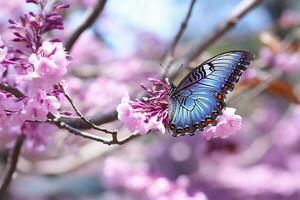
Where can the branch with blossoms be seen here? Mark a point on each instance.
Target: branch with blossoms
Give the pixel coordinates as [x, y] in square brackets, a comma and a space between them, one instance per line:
[38, 66]
[239, 12]
[41, 64]
[33, 42]
[84, 123]
[61, 124]
[31, 75]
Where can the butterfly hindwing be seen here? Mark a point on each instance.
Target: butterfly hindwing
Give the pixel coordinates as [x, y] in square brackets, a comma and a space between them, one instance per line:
[200, 97]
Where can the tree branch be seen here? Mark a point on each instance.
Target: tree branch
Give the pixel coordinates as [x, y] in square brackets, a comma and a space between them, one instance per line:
[78, 132]
[14, 91]
[91, 18]
[99, 118]
[11, 165]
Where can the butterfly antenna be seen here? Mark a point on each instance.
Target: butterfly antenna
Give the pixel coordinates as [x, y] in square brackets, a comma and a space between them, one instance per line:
[165, 74]
[178, 70]
[163, 67]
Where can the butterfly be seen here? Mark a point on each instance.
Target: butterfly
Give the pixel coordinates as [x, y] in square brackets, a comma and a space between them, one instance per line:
[200, 97]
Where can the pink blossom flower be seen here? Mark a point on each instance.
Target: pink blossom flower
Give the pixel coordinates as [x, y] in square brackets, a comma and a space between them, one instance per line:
[37, 108]
[10, 103]
[46, 67]
[56, 53]
[49, 67]
[141, 116]
[227, 124]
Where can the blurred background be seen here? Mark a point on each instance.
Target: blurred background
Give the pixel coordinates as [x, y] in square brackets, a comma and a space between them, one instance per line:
[125, 47]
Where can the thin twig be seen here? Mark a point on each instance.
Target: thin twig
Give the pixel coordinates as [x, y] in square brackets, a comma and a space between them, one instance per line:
[82, 117]
[98, 118]
[241, 10]
[169, 59]
[12, 90]
[182, 28]
[97, 138]
[11, 165]
[91, 18]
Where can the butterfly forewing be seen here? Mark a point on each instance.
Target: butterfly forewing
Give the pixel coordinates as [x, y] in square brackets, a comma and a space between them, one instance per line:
[200, 97]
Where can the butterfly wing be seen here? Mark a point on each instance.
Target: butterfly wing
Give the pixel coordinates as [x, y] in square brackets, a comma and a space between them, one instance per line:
[200, 97]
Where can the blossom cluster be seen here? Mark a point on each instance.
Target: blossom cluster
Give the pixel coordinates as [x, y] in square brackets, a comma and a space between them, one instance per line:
[151, 113]
[34, 67]
[141, 116]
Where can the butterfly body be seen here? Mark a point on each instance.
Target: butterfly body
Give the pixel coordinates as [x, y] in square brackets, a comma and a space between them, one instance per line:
[200, 97]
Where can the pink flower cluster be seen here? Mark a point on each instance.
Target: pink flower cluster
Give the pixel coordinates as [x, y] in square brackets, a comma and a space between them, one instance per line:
[137, 179]
[141, 116]
[151, 113]
[35, 67]
[48, 66]
[228, 124]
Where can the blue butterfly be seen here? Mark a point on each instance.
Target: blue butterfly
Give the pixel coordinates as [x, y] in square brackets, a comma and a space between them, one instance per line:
[200, 97]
